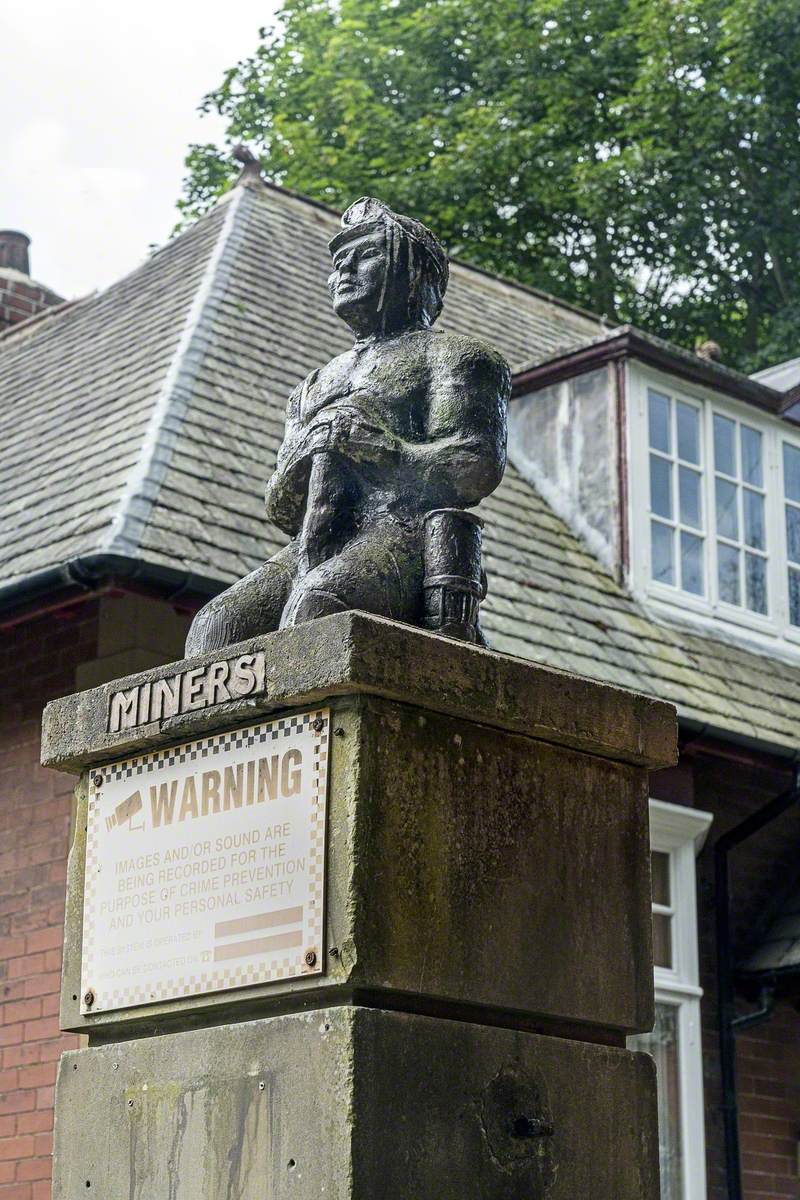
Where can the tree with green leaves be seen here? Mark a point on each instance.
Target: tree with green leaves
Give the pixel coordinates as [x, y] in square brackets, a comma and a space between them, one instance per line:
[640, 158]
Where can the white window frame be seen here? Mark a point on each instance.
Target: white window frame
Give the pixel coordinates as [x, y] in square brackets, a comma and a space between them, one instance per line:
[675, 523]
[784, 503]
[707, 611]
[681, 832]
[740, 487]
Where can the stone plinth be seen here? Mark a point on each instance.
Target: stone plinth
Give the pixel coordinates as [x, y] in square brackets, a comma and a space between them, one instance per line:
[487, 866]
[355, 1102]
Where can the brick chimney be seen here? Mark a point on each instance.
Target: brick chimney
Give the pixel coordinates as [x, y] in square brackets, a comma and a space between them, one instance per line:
[20, 296]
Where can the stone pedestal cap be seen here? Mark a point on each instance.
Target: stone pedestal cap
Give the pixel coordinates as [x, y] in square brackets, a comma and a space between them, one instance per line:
[355, 653]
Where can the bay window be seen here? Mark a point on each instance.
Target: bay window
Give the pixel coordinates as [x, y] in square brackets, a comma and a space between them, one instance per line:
[715, 522]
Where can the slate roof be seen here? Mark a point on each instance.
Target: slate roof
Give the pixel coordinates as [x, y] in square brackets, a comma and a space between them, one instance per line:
[143, 421]
[782, 376]
[779, 950]
[80, 391]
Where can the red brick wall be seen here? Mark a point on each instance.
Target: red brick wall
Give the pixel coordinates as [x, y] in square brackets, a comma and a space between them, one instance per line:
[20, 299]
[768, 1065]
[37, 662]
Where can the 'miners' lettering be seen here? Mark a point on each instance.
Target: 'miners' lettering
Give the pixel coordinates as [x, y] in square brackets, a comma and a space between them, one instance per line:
[258, 781]
[199, 687]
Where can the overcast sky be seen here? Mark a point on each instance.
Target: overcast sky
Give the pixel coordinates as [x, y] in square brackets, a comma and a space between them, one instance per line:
[99, 104]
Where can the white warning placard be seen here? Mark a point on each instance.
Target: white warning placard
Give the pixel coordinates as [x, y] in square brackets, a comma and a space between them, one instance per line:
[205, 865]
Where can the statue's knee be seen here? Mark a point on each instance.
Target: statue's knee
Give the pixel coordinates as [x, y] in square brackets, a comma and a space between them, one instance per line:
[309, 604]
[209, 630]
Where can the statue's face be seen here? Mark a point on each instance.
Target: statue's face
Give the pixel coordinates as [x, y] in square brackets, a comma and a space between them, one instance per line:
[356, 282]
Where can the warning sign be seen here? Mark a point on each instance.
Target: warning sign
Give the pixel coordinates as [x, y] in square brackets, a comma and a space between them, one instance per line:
[205, 865]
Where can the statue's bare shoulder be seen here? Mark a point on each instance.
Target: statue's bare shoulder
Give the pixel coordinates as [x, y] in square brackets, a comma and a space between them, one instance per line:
[459, 352]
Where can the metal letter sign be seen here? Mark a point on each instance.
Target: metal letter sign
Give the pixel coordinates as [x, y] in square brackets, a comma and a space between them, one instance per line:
[205, 865]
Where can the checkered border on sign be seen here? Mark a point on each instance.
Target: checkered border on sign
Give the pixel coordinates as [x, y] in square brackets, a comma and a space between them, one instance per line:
[191, 751]
[289, 967]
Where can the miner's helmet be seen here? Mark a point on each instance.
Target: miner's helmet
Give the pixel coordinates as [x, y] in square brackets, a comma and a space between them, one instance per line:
[368, 215]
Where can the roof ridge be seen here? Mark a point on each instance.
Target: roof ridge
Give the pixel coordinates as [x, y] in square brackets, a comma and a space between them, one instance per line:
[142, 485]
[42, 320]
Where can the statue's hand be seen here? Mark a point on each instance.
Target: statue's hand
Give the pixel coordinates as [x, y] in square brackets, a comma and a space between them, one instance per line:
[362, 440]
[348, 432]
[317, 437]
[284, 499]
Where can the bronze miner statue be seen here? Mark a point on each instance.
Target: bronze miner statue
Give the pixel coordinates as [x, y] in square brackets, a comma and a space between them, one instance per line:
[385, 448]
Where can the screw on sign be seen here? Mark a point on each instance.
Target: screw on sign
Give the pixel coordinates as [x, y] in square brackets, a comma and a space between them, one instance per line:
[311, 958]
[89, 998]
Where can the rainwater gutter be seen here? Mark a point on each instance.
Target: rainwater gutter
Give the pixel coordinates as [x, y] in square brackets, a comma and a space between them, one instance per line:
[729, 1023]
[83, 578]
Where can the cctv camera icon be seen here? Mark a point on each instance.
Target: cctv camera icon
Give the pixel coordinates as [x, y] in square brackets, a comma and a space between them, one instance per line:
[125, 812]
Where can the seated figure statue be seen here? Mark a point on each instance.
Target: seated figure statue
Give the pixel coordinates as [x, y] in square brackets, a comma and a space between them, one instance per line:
[408, 421]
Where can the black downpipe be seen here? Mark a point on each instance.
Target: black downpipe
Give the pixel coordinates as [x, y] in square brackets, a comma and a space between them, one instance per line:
[728, 1021]
[766, 1002]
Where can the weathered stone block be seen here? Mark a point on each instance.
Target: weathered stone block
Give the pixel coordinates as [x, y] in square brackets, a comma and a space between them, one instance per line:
[468, 868]
[356, 1103]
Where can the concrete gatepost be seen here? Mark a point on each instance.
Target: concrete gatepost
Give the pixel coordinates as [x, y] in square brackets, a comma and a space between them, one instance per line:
[434, 1005]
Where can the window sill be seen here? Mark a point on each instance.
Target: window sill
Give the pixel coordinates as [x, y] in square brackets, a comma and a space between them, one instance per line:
[755, 636]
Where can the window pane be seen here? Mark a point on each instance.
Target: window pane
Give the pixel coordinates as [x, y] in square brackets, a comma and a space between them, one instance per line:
[658, 407]
[728, 573]
[755, 581]
[689, 495]
[753, 511]
[724, 444]
[662, 1044]
[752, 471]
[663, 567]
[688, 432]
[692, 564]
[662, 939]
[660, 486]
[727, 516]
[793, 533]
[659, 866]
[794, 597]
[791, 471]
